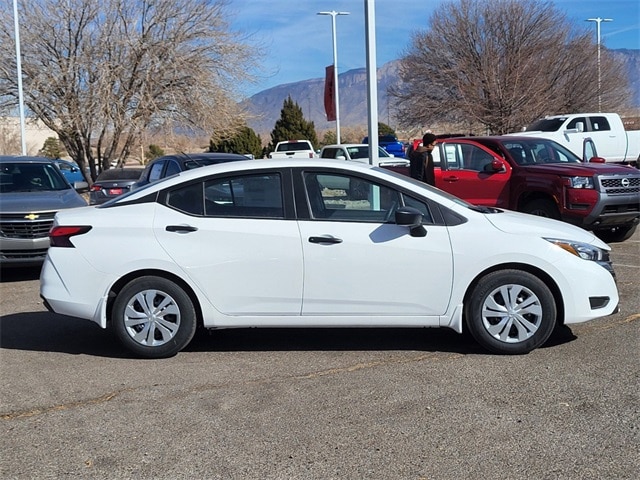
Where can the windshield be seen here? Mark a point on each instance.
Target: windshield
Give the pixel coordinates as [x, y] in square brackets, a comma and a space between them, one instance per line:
[201, 162]
[293, 146]
[362, 151]
[120, 174]
[535, 151]
[545, 125]
[31, 177]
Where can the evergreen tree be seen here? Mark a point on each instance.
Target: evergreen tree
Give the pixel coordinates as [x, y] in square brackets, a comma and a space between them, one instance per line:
[292, 126]
[384, 129]
[246, 141]
[329, 138]
[154, 151]
[52, 148]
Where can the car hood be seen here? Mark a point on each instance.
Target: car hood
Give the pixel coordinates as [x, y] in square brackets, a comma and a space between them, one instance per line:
[54, 200]
[581, 169]
[531, 225]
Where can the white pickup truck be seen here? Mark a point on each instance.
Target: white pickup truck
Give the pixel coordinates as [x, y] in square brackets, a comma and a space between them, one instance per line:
[293, 149]
[359, 152]
[606, 130]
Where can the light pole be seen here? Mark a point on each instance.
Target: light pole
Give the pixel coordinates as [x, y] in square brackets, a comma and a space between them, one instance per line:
[333, 14]
[16, 23]
[599, 20]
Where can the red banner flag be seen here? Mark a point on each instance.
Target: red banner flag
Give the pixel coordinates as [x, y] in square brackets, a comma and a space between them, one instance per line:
[329, 94]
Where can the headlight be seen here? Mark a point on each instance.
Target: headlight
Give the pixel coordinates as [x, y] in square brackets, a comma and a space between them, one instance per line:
[580, 182]
[582, 250]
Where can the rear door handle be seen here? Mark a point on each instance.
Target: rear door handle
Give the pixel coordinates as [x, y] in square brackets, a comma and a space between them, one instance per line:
[327, 239]
[181, 228]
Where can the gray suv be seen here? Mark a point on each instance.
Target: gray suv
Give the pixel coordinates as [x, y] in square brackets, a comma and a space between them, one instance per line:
[32, 190]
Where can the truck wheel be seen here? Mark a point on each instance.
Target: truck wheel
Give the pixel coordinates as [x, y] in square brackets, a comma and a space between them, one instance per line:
[153, 317]
[617, 234]
[511, 312]
[543, 208]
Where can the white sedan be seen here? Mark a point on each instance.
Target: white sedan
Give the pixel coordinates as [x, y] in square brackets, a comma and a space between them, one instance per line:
[268, 244]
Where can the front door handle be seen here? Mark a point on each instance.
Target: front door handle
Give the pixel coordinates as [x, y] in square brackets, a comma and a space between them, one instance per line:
[327, 239]
[181, 228]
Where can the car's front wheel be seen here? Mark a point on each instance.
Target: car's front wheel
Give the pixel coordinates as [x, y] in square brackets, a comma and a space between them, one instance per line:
[617, 234]
[511, 312]
[154, 317]
[543, 208]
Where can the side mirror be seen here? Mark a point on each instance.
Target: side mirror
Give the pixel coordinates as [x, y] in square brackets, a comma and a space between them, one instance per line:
[493, 167]
[81, 186]
[341, 157]
[579, 128]
[412, 218]
[597, 160]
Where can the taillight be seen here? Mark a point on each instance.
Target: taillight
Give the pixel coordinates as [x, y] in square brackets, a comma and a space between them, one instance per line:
[60, 236]
[95, 188]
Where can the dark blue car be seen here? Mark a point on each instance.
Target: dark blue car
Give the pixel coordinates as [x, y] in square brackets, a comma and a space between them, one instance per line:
[171, 164]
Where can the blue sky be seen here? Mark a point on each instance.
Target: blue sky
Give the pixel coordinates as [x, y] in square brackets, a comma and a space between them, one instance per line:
[298, 42]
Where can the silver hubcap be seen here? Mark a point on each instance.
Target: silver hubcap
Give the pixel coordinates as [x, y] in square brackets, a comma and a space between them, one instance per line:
[152, 318]
[512, 313]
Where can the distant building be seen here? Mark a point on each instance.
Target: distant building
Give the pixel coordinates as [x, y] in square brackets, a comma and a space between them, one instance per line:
[35, 135]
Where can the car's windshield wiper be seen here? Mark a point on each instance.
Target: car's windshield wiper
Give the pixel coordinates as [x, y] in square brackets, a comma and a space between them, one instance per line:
[482, 209]
[194, 160]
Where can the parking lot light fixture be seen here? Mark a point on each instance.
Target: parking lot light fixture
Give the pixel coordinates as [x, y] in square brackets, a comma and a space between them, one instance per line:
[598, 21]
[333, 14]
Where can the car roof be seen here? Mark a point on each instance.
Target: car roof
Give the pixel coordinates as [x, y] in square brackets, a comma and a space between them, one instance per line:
[24, 159]
[500, 138]
[347, 145]
[202, 156]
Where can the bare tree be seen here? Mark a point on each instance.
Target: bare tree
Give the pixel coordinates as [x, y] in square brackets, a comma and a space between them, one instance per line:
[502, 63]
[98, 72]
[9, 139]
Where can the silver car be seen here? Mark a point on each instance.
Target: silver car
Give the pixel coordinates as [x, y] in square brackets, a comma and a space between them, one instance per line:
[32, 190]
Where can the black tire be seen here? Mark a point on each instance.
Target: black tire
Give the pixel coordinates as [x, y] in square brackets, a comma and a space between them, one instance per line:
[617, 234]
[153, 317]
[543, 208]
[515, 326]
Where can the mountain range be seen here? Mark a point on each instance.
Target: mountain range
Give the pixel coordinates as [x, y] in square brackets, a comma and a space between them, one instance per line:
[264, 107]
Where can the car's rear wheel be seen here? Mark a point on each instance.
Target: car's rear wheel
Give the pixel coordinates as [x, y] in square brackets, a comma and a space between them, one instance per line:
[154, 317]
[511, 312]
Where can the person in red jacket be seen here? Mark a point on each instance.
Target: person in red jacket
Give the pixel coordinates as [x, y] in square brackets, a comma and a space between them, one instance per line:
[421, 160]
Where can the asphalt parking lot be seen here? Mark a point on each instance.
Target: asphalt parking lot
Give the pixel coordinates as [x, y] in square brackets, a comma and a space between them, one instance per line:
[318, 404]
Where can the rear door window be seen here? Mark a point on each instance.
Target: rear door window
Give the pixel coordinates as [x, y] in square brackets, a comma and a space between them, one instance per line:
[599, 124]
[245, 196]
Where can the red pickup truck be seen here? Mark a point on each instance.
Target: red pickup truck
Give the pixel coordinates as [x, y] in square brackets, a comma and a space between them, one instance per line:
[541, 177]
